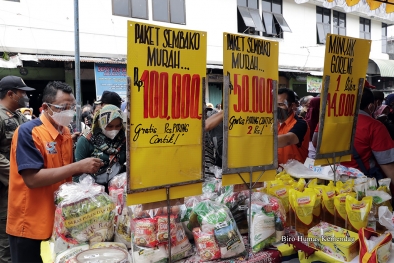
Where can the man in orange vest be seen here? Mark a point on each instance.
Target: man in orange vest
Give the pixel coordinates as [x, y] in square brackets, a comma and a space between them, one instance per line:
[293, 131]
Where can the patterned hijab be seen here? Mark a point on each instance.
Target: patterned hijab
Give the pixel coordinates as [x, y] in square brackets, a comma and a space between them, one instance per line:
[100, 120]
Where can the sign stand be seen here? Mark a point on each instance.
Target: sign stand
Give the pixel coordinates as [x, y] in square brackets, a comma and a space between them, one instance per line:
[227, 89]
[169, 186]
[334, 164]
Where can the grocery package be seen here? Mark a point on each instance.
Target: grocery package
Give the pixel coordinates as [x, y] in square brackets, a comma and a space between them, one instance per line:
[378, 197]
[104, 254]
[206, 244]
[374, 247]
[209, 216]
[262, 223]
[384, 185]
[122, 228]
[303, 204]
[335, 241]
[328, 210]
[117, 189]
[150, 235]
[358, 212]
[386, 218]
[84, 213]
[282, 193]
[235, 201]
[340, 209]
[68, 256]
[186, 210]
[298, 170]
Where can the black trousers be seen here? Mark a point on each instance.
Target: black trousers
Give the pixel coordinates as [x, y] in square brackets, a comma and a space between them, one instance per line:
[25, 250]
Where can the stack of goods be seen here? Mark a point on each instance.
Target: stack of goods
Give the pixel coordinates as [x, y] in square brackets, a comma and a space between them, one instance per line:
[84, 213]
[150, 240]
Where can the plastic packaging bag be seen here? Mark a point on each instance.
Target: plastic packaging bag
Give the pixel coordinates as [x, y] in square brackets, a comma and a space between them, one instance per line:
[117, 190]
[122, 229]
[84, 213]
[209, 216]
[263, 220]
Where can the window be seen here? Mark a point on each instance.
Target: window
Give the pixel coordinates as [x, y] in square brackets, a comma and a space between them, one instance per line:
[248, 17]
[274, 22]
[171, 11]
[384, 38]
[323, 23]
[130, 8]
[365, 28]
[339, 23]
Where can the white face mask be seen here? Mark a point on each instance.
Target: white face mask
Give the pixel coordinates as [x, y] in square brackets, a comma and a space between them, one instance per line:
[63, 118]
[110, 134]
[28, 116]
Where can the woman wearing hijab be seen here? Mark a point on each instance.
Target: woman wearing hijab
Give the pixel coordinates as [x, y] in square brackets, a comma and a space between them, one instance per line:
[106, 140]
[312, 118]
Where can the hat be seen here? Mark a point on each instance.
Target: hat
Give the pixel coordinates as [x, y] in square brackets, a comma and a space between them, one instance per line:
[25, 109]
[389, 99]
[13, 82]
[110, 97]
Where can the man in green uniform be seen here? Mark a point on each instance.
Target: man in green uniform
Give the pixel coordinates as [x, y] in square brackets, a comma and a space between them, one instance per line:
[12, 97]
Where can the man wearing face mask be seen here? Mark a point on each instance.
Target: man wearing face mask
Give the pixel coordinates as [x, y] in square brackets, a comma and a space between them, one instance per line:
[293, 131]
[374, 148]
[41, 160]
[12, 97]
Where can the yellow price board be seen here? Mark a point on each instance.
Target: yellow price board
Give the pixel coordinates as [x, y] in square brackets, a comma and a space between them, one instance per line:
[166, 67]
[345, 63]
[251, 63]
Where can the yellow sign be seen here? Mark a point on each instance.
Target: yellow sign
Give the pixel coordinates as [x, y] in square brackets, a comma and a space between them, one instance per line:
[346, 62]
[166, 67]
[252, 65]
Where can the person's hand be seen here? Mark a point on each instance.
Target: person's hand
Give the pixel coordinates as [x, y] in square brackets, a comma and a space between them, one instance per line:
[75, 136]
[90, 165]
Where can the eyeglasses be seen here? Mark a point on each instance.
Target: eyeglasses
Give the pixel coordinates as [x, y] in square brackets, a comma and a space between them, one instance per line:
[63, 107]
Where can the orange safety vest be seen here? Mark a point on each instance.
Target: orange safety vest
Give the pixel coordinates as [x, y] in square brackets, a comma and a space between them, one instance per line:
[292, 151]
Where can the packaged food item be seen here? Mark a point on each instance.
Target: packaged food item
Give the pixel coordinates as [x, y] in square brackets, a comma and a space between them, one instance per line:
[162, 229]
[372, 184]
[210, 215]
[123, 229]
[358, 212]
[181, 248]
[117, 188]
[70, 254]
[328, 209]
[262, 229]
[103, 255]
[360, 189]
[304, 203]
[300, 185]
[282, 193]
[374, 247]
[335, 241]
[317, 209]
[150, 255]
[206, 244]
[108, 244]
[340, 209]
[145, 232]
[84, 213]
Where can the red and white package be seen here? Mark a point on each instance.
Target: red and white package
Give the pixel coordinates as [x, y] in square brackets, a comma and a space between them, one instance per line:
[162, 229]
[145, 232]
[207, 247]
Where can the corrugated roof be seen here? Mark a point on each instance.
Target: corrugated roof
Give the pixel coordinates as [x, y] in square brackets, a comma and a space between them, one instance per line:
[82, 59]
[386, 67]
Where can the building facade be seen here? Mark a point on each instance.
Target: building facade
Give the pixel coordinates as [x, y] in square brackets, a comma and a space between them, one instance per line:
[37, 37]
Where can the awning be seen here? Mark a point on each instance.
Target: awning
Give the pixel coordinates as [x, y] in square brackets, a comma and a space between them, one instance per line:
[386, 67]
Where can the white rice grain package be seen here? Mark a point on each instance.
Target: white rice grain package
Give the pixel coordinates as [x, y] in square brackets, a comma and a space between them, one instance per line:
[84, 213]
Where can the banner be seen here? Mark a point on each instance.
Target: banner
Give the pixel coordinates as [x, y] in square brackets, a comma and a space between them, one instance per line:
[313, 84]
[252, 65]
[111, 77]
[166, 67]
[346, 62]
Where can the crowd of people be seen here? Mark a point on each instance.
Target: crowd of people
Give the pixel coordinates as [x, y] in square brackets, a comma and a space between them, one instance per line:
[38, 154]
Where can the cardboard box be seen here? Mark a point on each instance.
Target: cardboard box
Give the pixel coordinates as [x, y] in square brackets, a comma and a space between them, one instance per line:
[335, 241]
